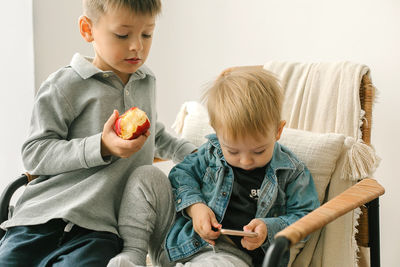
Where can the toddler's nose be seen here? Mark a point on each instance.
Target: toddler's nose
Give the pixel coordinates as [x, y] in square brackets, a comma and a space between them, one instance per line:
[246, 161]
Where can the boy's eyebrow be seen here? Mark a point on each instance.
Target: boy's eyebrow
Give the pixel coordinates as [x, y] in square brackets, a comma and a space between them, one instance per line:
[260, 147]
[225, 145]
[129, 26]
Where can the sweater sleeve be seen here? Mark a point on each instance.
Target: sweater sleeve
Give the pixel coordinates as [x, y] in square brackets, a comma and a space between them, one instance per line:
[170, 147]
[47, 150]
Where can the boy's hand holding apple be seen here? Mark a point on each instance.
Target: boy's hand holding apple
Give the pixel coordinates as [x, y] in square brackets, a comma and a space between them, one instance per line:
[126, 134]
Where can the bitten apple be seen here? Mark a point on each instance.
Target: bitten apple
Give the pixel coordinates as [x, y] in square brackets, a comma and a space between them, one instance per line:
[133, 123]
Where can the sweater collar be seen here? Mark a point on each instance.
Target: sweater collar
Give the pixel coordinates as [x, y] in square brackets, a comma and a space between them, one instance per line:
[84, 67]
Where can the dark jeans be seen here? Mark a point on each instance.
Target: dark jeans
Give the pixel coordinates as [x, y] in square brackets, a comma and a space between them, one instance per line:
[48, 245]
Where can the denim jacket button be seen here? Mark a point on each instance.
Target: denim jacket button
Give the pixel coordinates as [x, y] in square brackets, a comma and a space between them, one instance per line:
[224, 194]
[179, 201]
[196, 244]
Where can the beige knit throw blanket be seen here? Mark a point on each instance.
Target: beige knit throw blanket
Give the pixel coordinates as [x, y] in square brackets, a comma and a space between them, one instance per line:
[324, 97]
[328, 89]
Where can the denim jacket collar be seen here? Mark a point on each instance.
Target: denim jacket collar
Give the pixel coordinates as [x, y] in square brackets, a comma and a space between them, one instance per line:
[279, 161]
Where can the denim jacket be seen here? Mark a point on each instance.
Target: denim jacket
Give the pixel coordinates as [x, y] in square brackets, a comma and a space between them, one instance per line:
[287, 193]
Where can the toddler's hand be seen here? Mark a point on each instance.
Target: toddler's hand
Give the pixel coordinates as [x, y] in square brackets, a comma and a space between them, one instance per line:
[258, 226]
[112, 144]
[204, 220]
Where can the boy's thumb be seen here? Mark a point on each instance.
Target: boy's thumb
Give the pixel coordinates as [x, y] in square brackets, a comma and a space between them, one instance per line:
[114, 116]
[250, 227]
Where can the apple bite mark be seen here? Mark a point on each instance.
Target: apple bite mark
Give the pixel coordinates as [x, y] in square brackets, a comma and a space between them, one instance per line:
[132, 124]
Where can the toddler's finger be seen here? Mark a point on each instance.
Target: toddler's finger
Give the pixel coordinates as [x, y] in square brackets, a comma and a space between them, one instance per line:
[214, 222]
[251, 226]
[246, 243]
[210, 241]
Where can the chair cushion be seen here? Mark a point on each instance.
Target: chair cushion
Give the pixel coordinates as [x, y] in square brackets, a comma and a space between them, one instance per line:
[192, 123]
[319, 152]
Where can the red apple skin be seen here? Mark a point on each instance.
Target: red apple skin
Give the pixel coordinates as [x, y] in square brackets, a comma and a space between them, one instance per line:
[141, 129]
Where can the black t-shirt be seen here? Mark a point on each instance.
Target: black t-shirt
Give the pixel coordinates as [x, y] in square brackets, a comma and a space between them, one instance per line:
[242, 206]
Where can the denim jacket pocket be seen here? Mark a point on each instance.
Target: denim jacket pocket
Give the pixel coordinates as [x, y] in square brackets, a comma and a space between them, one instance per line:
[211, 175]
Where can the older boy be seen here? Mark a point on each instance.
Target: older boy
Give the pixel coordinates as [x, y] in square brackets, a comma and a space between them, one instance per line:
[68, 215]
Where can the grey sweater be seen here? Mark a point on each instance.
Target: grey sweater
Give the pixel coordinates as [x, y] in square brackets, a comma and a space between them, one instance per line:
[63, 147]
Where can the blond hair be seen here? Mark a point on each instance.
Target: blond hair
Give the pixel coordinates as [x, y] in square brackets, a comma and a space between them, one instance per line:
[95, 8]
[244, 101]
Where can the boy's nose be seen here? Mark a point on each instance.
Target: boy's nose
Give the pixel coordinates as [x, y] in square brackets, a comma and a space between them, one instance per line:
[246, 161]
[136, 45]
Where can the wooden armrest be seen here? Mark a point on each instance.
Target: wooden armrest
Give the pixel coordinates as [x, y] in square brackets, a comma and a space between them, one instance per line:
[364, 191]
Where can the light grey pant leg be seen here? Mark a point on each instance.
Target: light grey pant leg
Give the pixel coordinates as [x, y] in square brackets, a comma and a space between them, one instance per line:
[212, 259]
[146, 214]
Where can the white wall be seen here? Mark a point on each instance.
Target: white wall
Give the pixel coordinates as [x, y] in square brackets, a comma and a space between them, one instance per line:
[195, 40]
[17, 78]
[57, 36]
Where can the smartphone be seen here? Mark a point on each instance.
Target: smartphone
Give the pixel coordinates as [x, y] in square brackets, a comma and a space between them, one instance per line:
[238, 233]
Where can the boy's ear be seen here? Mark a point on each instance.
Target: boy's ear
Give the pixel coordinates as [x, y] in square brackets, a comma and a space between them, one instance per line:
[85, 28]
[280, 129]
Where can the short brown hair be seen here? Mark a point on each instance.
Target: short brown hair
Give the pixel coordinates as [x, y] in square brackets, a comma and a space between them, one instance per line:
[94, 8]
[244, 101]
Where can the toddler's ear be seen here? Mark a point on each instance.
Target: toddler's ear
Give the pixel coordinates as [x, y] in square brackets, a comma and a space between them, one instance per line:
[280, 129]
[85, 28]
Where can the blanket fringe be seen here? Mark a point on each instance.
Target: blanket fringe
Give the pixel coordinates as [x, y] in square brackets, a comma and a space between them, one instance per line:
[357, 213]
[361, 160]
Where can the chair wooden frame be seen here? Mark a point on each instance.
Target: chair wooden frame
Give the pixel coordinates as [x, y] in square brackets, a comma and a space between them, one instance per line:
[366, 192]
[368, 227]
